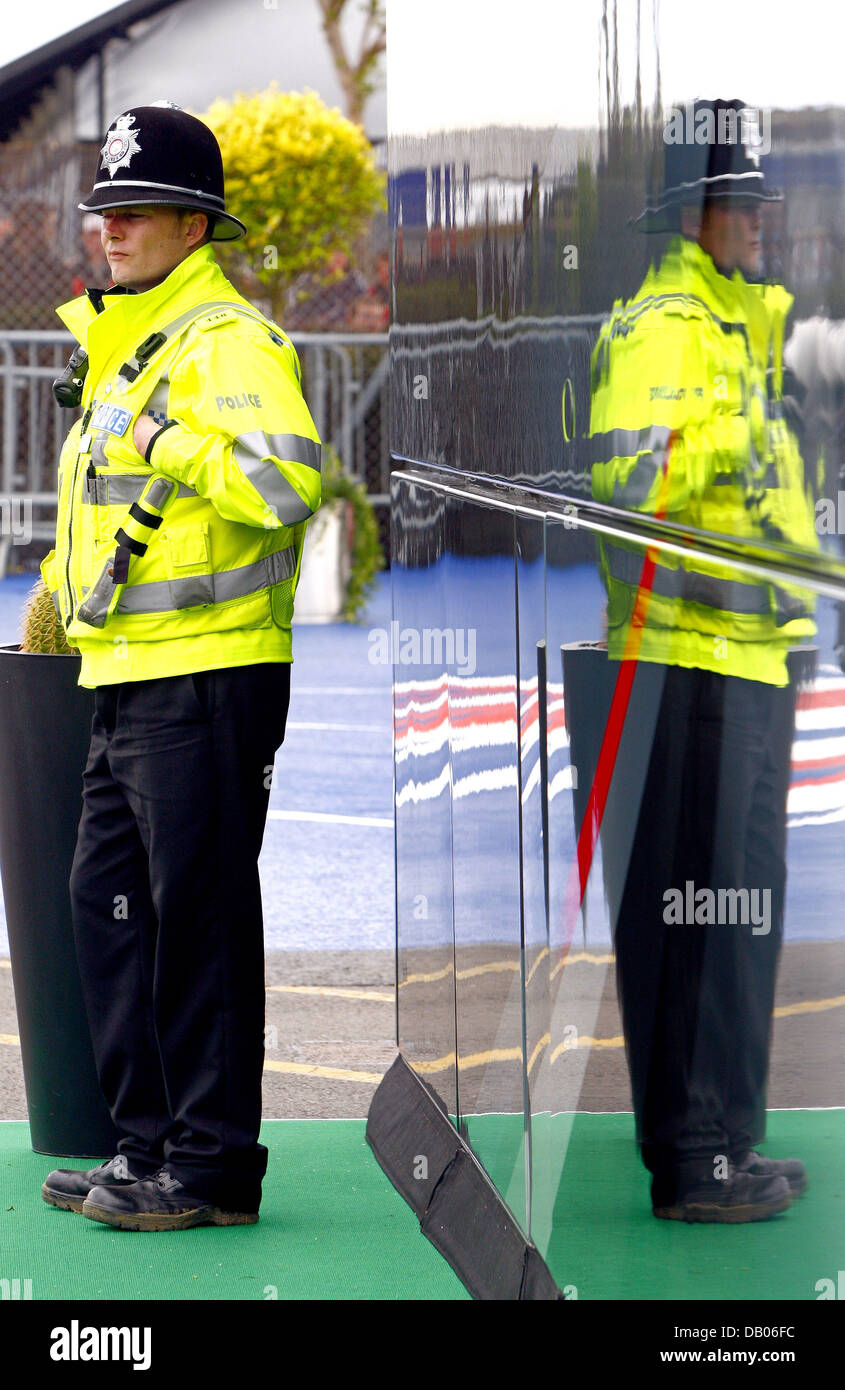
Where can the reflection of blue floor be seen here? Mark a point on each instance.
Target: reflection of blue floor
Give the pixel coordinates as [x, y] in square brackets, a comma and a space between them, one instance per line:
[329, 882]
[480, 593]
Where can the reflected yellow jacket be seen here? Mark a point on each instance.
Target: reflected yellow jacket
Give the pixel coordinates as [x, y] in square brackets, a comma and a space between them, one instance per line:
[186, 560]
[685, 422]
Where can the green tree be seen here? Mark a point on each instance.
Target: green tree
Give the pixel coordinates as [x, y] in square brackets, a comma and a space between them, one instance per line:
[300, 176]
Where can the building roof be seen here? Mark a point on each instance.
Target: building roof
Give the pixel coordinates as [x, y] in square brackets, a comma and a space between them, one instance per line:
[22, 81]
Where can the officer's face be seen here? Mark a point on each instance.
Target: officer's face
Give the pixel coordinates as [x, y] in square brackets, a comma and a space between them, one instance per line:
[143, 244]
[734, 232]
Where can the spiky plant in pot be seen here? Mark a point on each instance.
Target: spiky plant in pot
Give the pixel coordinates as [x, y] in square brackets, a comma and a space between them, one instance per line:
[41, 626]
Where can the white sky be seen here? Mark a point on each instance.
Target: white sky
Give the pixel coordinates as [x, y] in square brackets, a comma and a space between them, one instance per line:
[472, 63]
[535, 62]
[29, 25]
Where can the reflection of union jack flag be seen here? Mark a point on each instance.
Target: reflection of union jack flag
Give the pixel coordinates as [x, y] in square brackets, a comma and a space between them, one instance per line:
[473, 719]
[817, 787]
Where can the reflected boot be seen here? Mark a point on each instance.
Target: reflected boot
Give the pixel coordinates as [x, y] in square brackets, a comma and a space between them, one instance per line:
[67, 1188]
[741, 1196]
[790, 1168]
[159, 1203]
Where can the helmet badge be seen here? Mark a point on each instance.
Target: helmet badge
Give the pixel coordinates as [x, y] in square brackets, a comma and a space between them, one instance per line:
[121, 144]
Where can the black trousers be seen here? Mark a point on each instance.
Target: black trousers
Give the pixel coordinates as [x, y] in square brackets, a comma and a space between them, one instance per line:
[167, 918]
[697, 996]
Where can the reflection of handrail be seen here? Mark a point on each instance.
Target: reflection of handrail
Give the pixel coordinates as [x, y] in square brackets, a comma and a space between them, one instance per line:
[767, 560]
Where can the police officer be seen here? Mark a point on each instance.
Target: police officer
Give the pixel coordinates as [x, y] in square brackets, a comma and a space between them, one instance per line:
[183, 495]
[686, 425]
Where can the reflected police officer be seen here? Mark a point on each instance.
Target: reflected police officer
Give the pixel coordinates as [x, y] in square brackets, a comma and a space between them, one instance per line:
[686, 426]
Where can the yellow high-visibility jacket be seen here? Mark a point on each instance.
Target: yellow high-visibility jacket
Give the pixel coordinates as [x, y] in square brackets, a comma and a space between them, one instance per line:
[686, 423]
[187, 560]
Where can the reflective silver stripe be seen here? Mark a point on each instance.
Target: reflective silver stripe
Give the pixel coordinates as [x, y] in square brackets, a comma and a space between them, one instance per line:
[122, 489]
[768, 481]
[253, 453]
[148, 183]
[621, 443]
[191, 316]
[163, 596]
[627, 321]
[159, 491]
[650, 446]
[290, 448]
[728, 595]
[96, 606]
[295, 448]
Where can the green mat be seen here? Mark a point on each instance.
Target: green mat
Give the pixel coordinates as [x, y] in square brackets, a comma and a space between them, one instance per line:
[592, 1216]
[332, 1226]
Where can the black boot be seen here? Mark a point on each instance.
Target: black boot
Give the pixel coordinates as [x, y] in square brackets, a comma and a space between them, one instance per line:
[790, 1168]
[737, 1197]
[68, 1187]
[159, 1203]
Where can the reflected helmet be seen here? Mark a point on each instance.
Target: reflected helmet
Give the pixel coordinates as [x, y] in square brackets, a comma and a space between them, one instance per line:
[711, 150]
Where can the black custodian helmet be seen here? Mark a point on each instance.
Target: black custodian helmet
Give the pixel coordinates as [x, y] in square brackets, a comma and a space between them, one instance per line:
[160, 155]
[710, 152]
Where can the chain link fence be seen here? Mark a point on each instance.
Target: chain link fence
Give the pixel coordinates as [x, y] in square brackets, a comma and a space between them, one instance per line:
[50, 252]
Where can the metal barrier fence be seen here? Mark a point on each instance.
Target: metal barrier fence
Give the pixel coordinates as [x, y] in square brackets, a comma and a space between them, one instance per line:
[344, 379]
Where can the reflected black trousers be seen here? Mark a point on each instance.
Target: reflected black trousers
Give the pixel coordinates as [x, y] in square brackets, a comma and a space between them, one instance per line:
[697, 996]
[167, 918]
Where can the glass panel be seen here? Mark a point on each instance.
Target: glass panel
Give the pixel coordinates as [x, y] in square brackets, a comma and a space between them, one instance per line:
[481, 609]
[425, 938]
[591, 293]
[706, 820]
[534, 867]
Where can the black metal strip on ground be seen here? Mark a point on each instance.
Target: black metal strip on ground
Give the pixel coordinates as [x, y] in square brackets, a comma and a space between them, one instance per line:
[459, 1209]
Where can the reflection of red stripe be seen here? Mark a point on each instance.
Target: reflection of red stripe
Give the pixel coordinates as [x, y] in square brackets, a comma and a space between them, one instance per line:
[459, 719]
[797, 784]
[816, 699]
[466, 720]
[597, 800]
[800, 765]
[594, 813]
[470, 719]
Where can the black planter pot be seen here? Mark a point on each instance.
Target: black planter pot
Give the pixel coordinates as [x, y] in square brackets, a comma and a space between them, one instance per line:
[45, 729]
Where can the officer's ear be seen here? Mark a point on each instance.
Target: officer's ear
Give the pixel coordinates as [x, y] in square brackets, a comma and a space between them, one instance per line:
[691, 218]
[195, 228]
